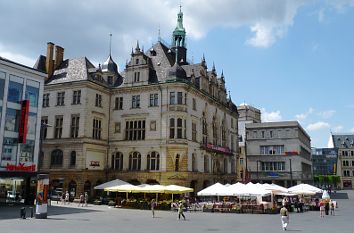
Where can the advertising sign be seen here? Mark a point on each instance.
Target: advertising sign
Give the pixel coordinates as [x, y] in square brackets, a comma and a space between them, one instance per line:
[42, 196]
[22, 134]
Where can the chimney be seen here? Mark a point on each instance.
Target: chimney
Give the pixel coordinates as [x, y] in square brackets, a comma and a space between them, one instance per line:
[59, 56]
[49, 60]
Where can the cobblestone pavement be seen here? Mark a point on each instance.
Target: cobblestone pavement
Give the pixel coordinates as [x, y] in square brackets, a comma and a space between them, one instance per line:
[97, 219]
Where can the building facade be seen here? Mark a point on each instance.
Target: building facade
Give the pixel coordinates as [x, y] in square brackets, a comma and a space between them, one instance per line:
[247, 114]
[344, 143]
[20, 115]
[162, 120]
[278, 152]
[324, 161]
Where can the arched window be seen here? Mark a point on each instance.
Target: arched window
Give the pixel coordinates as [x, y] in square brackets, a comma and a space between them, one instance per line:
[205, 129]
[177, 163]
[172, 128]
[117, 161]
[194, 163]
[153, 161]
[134, 161]
[206, 163]
[56, 158]
[73, 159]
[215, 132]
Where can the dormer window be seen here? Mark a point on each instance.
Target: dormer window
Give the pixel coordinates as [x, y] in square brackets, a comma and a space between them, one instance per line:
[136, 61]
[110, 80]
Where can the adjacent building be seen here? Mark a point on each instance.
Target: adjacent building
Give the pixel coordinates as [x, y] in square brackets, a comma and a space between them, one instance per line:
[324, 161]
[161, 120]
[247, 114]
[20, 116]
[344, 143]
[278, 152]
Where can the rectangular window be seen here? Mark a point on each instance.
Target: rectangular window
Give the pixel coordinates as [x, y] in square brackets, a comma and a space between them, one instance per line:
[135, 130]
[44, 124]
[172, 128]
[77, 97]
[194, 132]
[179, 97]
[15, 90]
[98, 102]
[154, 98]
[96, 129]
[272, 150]
[58, 128]
[32, 123]
[45, 102]
[9, 150]
[118, 104]
[2, 85]
[117, 127]
[32, 94]
[272, 166]
[136, 77]
[172, 98]
[136, 101]
[179, 128]
[60, 98]
[12, 119]
[194, 105]
[74, 128]
[27, 152]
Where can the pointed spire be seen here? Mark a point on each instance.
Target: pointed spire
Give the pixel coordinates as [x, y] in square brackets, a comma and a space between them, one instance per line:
[229, 96]
[132, 52]
[222, 76]
[137, 48]
[213, 70]
[203, 63]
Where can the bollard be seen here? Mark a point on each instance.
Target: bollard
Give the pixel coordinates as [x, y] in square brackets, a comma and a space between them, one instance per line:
[23, 213]
[31, 211]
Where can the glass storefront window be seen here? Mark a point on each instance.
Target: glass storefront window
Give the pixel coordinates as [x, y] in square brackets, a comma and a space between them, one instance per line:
[12, 119]
[15, 92]
[32, 95]
[27, 151]
[32, 123]
[9, 149]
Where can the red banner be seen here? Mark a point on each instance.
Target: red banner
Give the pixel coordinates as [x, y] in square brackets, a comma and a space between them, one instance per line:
[20, 167]
[22, 134]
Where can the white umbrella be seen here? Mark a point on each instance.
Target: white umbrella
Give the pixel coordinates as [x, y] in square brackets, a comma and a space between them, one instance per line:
[305, 189]
[214, 190]
[111, 183]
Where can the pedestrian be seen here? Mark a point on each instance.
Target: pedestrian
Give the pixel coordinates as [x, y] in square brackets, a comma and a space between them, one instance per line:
[62, 198]
[153, 205]
[322, 209]
[180, 211]
[82, 200]
[284, 215]
[67, 195]
[332, 207]
[86, 198]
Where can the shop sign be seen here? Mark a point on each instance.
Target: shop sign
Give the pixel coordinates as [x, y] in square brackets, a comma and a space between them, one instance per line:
[22, 134]
[20, 167]
[273, 174]
[291, 153]
[218, 148]
[94, 163]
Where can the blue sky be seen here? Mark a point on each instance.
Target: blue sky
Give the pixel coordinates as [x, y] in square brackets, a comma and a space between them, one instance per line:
[293, 59]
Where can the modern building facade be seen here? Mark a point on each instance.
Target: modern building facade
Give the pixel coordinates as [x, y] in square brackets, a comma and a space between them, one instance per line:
[247, 114]
[324, 161]
[278, 152]
[20, 115]
[161, 120]
[344, 143]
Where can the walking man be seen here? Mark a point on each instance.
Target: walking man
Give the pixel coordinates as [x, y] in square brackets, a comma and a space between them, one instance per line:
[284, 215]
[82, 199]
[86, 198]
[153, 205]
[180, 211]
[66, 201]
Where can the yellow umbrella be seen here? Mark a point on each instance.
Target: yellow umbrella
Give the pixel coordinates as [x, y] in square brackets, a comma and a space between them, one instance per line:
[176, 189]
[123, 188]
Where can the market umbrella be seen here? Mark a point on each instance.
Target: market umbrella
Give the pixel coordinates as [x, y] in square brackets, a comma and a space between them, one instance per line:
[176, 189]
[214, 190]
[111, 183]
[125, 188]
[304, 189]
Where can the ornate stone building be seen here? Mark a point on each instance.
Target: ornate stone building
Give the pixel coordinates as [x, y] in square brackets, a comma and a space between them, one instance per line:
[162, 120]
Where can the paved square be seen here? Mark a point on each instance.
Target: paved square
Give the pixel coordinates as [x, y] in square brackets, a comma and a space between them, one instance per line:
[96, 219]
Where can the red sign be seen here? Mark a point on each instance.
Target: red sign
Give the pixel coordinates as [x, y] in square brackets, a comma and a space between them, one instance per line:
[215, 148]
[22, 134]
[20, 167]
[291, 153]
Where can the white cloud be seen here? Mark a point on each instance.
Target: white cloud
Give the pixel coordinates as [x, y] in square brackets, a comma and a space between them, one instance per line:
[19, 58]
[321, 15]
[270, 116]
[303, 116]
[352, 130]
[264, 36]
[327, 114]
[317, 126]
